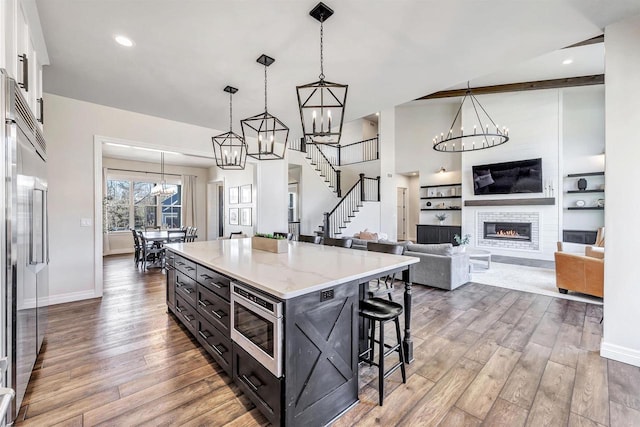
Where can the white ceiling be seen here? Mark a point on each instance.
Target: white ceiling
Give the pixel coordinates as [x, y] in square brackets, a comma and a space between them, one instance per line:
[187, 51]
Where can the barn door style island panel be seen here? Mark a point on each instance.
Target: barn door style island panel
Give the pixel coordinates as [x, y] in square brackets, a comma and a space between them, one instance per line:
[284, 326]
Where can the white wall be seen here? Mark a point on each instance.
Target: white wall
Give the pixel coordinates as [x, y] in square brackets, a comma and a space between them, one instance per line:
[367, 219]
[71, 127]
[534, 123]
[388, 214]
[315, 197]
[122, 242]
[236, 179]
[413, 207]
[416, 124]
[621, 340]
[582, 144]
[271, 203]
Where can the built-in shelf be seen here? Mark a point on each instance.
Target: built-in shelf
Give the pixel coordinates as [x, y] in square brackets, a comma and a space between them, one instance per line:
[585, 191]
[585, 208]
[441, 197]
[441, 185]
[512, 202]
[577, 175]
[440, 209]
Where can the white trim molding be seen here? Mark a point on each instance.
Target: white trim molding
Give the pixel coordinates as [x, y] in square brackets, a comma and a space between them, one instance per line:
[621, 354]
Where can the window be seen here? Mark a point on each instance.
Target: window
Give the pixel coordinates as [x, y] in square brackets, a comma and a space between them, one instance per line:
[129, 204]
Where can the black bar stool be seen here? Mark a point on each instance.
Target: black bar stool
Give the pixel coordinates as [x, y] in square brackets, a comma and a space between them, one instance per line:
[384, 285]
[382, 311]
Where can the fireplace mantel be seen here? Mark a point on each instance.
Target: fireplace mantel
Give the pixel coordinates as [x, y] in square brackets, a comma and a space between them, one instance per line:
[512, 202]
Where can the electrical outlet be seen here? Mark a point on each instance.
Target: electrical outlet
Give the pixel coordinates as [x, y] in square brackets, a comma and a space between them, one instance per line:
[326, 295]
[85, 222]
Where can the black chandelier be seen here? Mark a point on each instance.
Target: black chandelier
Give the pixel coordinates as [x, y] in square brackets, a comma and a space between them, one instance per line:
[322, 103]
[265, 135]
[229, 149]
[480, 138]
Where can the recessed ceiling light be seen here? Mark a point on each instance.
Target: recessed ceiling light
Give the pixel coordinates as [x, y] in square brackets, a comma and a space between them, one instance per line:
[567, 61]
[124, 41]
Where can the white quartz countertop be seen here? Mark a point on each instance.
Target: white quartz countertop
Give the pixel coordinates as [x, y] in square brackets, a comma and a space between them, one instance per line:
[304, 268]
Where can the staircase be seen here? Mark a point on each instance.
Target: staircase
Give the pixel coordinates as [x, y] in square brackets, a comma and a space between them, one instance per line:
[364, 190]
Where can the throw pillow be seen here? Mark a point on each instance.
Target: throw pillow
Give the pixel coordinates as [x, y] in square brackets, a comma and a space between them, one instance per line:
[436, 249]
[367, 235]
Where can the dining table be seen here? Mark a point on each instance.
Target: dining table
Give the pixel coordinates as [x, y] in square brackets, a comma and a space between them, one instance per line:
[160, 236]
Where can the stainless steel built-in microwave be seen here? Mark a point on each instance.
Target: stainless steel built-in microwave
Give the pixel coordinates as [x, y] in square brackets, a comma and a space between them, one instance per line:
[256, 325]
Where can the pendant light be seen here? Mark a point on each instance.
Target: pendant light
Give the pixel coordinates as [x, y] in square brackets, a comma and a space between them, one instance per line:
[265, 135]
[162, 189]
[229, 149]
[322, 103]
[481, 137]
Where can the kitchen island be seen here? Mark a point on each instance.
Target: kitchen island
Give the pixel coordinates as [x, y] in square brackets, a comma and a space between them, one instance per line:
[294, 348]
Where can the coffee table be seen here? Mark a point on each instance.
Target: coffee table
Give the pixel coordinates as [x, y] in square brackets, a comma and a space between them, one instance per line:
[481, 255]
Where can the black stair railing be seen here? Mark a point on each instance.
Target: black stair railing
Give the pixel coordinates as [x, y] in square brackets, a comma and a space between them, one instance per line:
[340, 155]
[324, 167]
[364, 190]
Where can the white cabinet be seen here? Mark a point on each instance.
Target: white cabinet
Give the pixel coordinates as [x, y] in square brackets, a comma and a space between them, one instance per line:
[19, 52]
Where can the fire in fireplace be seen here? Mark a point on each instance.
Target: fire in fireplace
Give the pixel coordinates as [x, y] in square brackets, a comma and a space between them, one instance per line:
[520, 231]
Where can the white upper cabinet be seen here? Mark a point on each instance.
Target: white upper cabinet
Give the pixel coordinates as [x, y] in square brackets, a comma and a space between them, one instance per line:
[22, 49]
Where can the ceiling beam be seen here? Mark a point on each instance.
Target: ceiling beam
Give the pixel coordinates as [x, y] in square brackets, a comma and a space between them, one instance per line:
[592, 40]
[596, 79]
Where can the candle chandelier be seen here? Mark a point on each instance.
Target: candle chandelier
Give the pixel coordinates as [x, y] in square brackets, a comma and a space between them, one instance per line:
[265, 135]
[322, 103]
[481, 137]
[162, 189]
[229, 149]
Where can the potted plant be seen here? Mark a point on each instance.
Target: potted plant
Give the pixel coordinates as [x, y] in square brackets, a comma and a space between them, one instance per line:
[462, 241]
[441, 217]
[270, 243]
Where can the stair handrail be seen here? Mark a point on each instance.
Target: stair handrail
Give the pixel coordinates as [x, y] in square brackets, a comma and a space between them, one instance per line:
[352, 200]
[358, 182]
[335, 171]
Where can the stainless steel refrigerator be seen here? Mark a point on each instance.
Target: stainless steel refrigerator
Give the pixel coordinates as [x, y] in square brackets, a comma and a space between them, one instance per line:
[24, 240]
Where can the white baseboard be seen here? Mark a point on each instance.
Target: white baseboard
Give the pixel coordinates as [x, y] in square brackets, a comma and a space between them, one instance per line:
[72, 296]
[621, 354]
[118, 251]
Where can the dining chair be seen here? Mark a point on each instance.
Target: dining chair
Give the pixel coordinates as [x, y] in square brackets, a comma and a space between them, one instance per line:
[383, 285]
[309, 239]
[340, 243]
[287, 236]
[137, 248]
[237, 235]
[151, 252]
[176, 236]
[191, 234]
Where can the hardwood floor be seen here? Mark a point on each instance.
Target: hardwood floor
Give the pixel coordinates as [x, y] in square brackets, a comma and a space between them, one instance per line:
[483, 356]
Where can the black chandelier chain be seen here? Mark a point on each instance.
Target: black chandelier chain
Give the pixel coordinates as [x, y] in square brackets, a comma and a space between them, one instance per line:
[230, 112]
[265, 88]
[321, 76]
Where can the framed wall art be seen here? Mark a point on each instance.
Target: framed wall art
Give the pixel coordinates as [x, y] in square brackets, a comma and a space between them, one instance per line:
[245, 193]
[233, 216]
[233, 195]
[245, 216]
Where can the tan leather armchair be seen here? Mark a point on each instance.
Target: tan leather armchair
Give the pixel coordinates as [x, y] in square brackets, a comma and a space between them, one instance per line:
[579, 273]
[597, 250]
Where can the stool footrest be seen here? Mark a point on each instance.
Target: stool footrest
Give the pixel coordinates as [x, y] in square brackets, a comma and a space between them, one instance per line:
[392, 370]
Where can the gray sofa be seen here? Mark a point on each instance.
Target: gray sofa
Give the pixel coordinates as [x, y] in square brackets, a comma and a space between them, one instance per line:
[439, 266]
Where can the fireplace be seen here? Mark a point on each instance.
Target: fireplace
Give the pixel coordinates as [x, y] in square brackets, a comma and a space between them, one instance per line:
[518, 231]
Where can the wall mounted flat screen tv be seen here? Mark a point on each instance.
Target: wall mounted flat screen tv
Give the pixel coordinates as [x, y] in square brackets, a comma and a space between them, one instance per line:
[521, 176]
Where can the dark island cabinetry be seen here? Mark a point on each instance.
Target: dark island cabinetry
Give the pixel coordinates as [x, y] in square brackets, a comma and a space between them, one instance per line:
[320, 348]
[437, 233]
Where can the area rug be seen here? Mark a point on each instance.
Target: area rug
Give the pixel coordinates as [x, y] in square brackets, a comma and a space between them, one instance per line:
[528, 279]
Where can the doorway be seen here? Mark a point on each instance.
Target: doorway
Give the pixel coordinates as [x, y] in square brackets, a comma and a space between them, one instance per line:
[215, 210]
[401, 206]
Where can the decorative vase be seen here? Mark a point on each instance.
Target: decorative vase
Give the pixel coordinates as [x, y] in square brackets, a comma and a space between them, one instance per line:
[441, 222]
[582, 184]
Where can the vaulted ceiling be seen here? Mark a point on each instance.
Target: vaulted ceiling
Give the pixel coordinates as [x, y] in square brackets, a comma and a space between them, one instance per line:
[389, 52]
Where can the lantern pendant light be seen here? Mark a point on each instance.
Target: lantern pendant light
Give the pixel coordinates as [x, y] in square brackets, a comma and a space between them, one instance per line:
[322, 103]
[229, 149]
[265, 135]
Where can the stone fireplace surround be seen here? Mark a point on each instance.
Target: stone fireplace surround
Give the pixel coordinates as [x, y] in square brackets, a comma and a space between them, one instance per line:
[509, 217]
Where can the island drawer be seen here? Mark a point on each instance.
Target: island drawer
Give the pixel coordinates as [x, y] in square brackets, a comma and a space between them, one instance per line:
[186, 288]
[216, 344]
[214, 281]
[214, 309]
[186, 314]
[185, 266]
[262, 388]
[170, 259]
